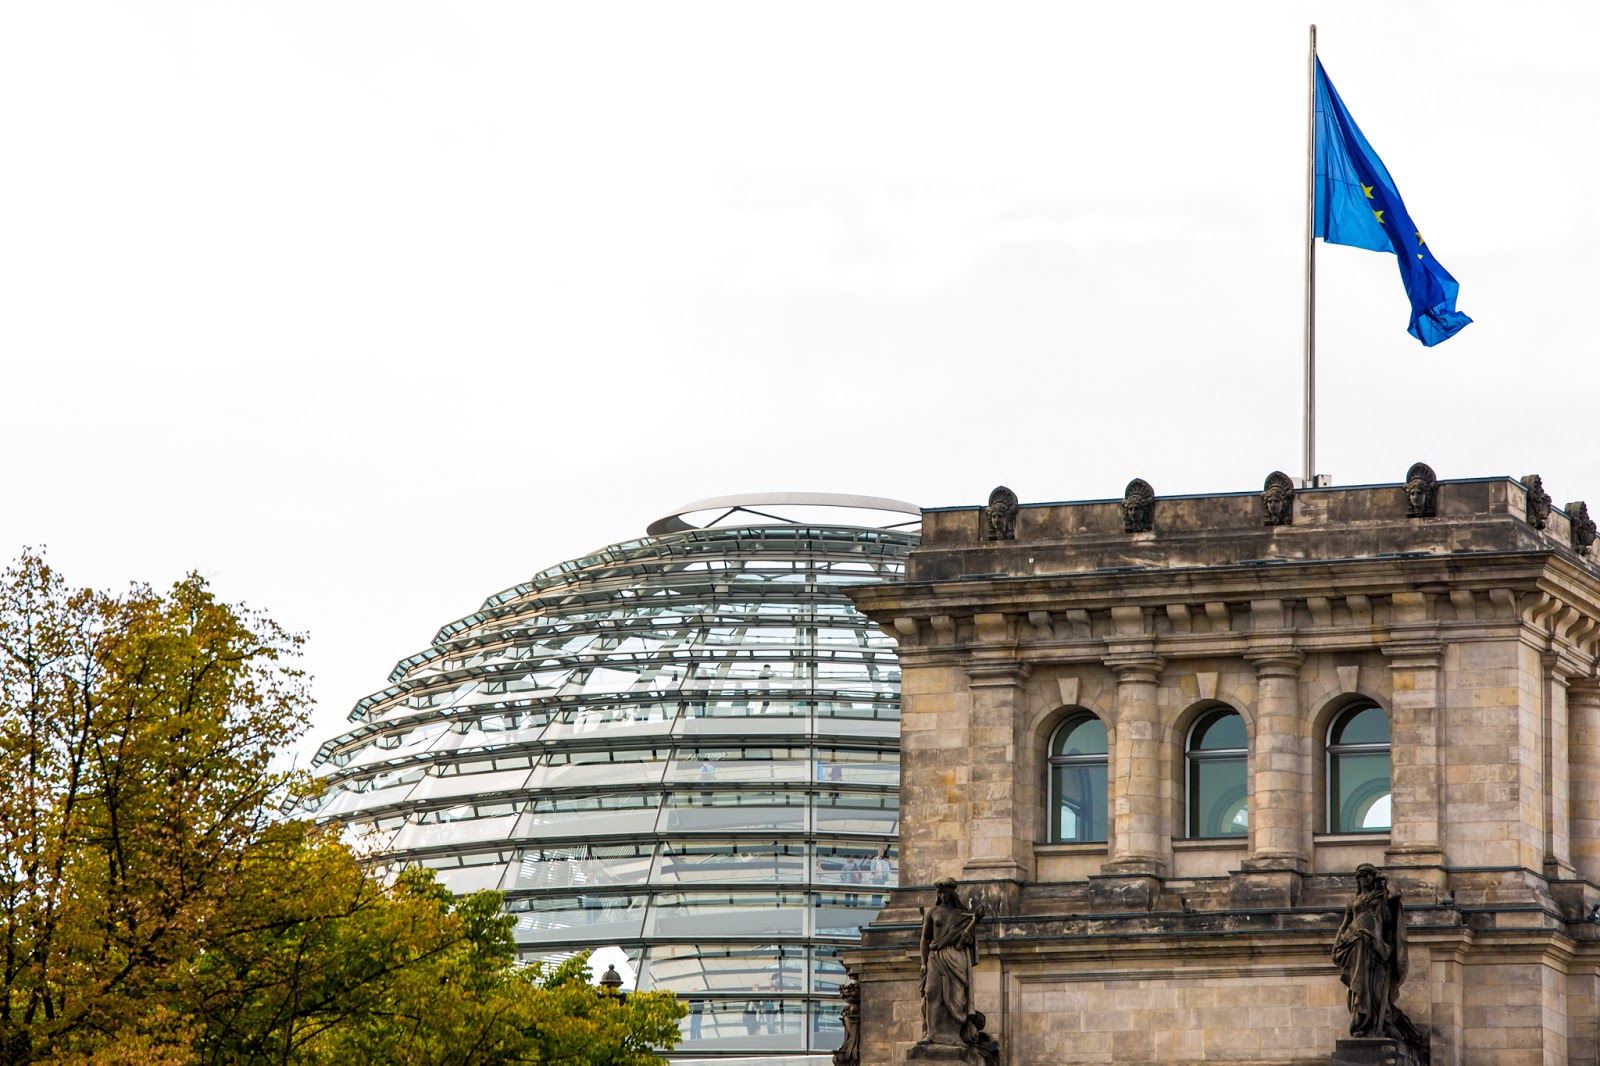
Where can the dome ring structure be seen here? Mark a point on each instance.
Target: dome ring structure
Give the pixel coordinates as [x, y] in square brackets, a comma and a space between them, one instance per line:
[685, 747]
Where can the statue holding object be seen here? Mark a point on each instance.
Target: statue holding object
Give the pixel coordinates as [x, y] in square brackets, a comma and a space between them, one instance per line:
[949, 952]
[1370, 951]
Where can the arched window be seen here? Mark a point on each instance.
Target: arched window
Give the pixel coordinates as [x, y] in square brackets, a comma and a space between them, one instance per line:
[1358, 771]
[1078, 781]
[1218, 776]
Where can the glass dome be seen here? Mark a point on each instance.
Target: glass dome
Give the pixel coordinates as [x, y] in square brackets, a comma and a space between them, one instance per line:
[684, 747]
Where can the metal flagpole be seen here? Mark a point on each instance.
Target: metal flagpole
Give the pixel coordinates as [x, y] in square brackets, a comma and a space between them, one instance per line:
[1311, 265]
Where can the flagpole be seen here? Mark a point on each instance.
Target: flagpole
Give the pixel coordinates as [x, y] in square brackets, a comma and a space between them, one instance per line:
[1311, 266]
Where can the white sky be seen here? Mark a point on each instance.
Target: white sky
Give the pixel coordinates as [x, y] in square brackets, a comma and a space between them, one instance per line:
[368, 310]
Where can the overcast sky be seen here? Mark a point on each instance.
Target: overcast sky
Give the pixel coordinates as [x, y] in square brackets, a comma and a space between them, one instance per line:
[369, 310]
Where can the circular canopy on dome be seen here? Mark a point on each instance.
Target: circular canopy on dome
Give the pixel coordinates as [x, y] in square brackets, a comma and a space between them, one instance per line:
[790, 508]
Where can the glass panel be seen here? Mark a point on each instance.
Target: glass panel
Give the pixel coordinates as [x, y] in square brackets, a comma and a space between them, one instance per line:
[850, 818]
[844, 913]
[467, 879]
[687, 969]
[469, 831]
[742, 709]
[1368, 725]
[1086, 737]
[1217, 797]
[579, 867]
[859, 709]
[827, 1028]
[827, 971]
[1225, 731]
[858, 767]
[467, 785]
[608, 767]
[1359, 784]
[692, 916]
[731, 861]
[610, 918]
[743, 1025]
[629, 719]
[1079, 814]
[722, 811]
[591, 816]
[709, 766]
[856, 865]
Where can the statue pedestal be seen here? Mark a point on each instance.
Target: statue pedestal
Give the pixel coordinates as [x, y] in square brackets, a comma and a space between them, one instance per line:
[951, 1055]
[1374, 1051]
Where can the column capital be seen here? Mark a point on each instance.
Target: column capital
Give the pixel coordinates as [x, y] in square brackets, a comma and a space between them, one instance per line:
[1276, 662]
[1138, 666]
[1584, 691]
[997, 673]
[1564, 667]
[1413, 654]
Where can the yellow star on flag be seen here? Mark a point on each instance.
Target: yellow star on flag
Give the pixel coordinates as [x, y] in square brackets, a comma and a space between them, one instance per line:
[1419, 238]
[1379, 216]
[1367, 189]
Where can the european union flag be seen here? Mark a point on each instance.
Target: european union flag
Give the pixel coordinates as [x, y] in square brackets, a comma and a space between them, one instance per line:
[1356, 203]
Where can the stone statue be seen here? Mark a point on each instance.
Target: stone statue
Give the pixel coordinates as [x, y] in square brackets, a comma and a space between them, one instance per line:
[1538, 501]
[1277, 500]
[849, 1051]
[949, 952]
[1138, 507]
[1370, 951]
[1583, 528]
[1422, 492]
[1001, 514]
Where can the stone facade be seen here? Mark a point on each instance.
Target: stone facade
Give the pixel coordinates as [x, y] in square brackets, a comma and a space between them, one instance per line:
[1473, 628]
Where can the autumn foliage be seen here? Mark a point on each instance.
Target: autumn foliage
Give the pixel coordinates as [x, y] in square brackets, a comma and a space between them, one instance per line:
[154, 907]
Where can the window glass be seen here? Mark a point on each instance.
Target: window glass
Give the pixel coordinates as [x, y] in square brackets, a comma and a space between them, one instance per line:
[545, 918]
[731, 861]
[1218, 777]
[699, 915]
[1079, 784]
[688, 968]
[581, 866]
[843, 912]
[856, 864]
[1359, 796]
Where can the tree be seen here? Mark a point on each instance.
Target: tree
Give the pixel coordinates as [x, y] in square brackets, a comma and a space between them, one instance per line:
[156, 909]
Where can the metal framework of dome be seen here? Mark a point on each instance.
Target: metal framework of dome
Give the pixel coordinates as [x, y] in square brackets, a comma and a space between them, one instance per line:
[684, 746]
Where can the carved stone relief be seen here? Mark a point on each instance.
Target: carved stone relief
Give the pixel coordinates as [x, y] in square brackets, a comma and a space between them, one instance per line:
[1001, 514]
[1138, 507]
[1538, 501]
[1422, 492]
[1583, 527]
[1277, 500]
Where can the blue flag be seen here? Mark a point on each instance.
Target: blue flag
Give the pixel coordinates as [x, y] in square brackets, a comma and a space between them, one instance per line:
[1356, 203]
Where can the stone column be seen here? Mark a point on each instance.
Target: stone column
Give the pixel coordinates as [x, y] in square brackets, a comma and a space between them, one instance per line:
[1417, 836]
[1140, 789]
[1583, 753]
[999, 843]
[1280, 822]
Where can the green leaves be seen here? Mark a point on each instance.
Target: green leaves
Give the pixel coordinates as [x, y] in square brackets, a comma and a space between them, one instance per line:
[154, 909]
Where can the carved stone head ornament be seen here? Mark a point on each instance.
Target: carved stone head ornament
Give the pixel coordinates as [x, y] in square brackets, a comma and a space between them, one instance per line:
[1001, 514]
[1138, 507]
[1277, 500]
[1422, 492]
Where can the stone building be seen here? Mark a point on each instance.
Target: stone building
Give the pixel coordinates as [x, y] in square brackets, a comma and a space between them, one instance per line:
[1155, 737]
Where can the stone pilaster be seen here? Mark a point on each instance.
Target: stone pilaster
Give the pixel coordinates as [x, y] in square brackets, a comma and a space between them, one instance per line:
[1557, 770]
[1000, 841]
[1139, 792]
[1583, 753]
[1417, 836]
[1280, 812]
